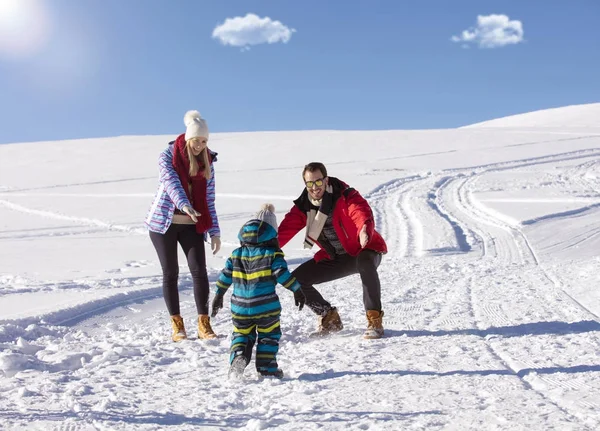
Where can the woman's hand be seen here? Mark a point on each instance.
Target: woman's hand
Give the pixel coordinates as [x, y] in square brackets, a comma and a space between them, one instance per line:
[215, 244]
[191, 212]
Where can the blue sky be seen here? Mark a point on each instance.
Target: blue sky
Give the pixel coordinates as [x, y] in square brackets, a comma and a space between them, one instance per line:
[113, 67]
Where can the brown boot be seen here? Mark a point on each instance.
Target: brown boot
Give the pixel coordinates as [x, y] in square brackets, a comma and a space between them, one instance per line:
[375, 327]
[205, 332]
[178, 328]
[329, 322]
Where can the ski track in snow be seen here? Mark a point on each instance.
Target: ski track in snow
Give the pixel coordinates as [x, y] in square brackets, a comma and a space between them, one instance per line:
[101, 223]
[504, 242]
[77, 220]
[511, 246]
[447, 307]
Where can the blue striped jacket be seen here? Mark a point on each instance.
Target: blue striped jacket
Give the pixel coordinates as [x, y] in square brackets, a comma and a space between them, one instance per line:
[254, 269]
[171, 195]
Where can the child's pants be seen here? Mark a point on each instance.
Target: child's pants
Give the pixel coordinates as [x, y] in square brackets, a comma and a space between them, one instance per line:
[265, 330]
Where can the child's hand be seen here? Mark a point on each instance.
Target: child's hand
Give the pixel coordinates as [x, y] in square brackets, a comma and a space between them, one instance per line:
[217, 304]
[299, 299]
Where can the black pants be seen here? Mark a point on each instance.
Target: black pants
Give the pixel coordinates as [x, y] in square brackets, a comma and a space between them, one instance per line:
[192, 244]
[365, 264]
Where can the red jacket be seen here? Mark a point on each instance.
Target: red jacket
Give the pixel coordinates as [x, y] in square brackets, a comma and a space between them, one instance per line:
[350, 212]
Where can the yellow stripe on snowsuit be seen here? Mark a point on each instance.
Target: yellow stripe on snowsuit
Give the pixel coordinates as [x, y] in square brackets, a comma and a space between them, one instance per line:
[222, 285]
[238, 346]
[290, 282]
[244, 331]
[269, 329]
[252, 276]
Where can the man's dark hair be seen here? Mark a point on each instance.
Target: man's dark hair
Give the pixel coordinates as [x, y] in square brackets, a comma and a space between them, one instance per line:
[313, 167]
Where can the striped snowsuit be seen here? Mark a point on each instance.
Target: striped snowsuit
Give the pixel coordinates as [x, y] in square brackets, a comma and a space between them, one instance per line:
[254, 269]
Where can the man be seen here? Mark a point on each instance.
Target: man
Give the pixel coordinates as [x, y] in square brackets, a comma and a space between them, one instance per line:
[340, 221]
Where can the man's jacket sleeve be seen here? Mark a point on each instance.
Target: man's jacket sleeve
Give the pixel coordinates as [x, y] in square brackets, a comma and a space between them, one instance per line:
[293, 222]
[360, 212]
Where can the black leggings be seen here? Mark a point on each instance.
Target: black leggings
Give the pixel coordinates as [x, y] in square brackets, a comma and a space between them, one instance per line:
[365, 264]
[192, 244]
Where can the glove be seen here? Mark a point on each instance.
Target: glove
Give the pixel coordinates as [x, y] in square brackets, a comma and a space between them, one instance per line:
[215, 244]
[299, 299]
[217, 304]
[191, 212]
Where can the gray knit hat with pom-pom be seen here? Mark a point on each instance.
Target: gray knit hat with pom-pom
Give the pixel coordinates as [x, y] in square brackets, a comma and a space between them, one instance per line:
[267, 214]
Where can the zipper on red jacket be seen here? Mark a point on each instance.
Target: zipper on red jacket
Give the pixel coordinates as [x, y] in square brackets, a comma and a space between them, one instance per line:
[344, 230]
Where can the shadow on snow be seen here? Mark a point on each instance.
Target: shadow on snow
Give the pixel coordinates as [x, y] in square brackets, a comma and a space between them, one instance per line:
[399, 373]
[534, 328]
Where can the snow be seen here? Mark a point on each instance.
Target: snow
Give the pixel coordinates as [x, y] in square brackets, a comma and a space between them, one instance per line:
[574, 116]
[490, 286]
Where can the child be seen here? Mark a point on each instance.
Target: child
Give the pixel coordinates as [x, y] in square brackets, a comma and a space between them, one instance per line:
[255, 268]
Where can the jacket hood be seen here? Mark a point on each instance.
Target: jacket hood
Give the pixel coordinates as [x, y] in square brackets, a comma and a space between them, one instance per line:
[255, 232]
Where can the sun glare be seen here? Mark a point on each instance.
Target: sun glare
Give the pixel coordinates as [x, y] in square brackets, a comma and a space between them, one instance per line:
[24, 28]
[8, 9]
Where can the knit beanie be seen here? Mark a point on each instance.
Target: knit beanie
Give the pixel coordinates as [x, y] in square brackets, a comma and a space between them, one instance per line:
[267, 215]
[196, 126]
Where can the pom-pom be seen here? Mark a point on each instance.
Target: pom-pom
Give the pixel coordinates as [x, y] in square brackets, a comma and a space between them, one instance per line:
[267, 207]
[190, 117]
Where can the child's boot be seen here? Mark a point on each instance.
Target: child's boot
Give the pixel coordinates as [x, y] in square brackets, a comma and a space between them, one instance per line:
[278, 373]
[237, 367]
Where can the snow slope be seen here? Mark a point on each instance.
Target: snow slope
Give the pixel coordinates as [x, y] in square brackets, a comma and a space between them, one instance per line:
[489, 287]
[574, 116]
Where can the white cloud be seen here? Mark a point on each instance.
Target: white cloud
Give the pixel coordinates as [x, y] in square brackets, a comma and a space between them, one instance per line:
[492, 31]
[251, 30]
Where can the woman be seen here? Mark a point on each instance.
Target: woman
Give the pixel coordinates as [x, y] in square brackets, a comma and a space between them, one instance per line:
[183, 212]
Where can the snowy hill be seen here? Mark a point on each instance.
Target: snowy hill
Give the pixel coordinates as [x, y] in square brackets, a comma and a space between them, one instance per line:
[489, 287]
[575, 116]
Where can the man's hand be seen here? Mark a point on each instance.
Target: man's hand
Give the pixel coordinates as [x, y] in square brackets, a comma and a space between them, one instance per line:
[217, 304]
[299, 299]
[215, 244]
[363, 236]
[191, 212]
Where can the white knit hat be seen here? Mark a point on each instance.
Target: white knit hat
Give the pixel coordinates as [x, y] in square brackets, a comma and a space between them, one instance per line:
[267, 214]
[196, 126]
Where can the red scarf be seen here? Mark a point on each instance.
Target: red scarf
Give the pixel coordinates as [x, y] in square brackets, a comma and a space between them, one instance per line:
[195, 187]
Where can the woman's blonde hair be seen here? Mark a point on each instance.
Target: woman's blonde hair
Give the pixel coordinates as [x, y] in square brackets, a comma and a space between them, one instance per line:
[194, 166]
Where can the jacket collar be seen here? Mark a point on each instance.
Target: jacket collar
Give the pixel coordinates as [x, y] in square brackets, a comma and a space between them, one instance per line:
[303, 202]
